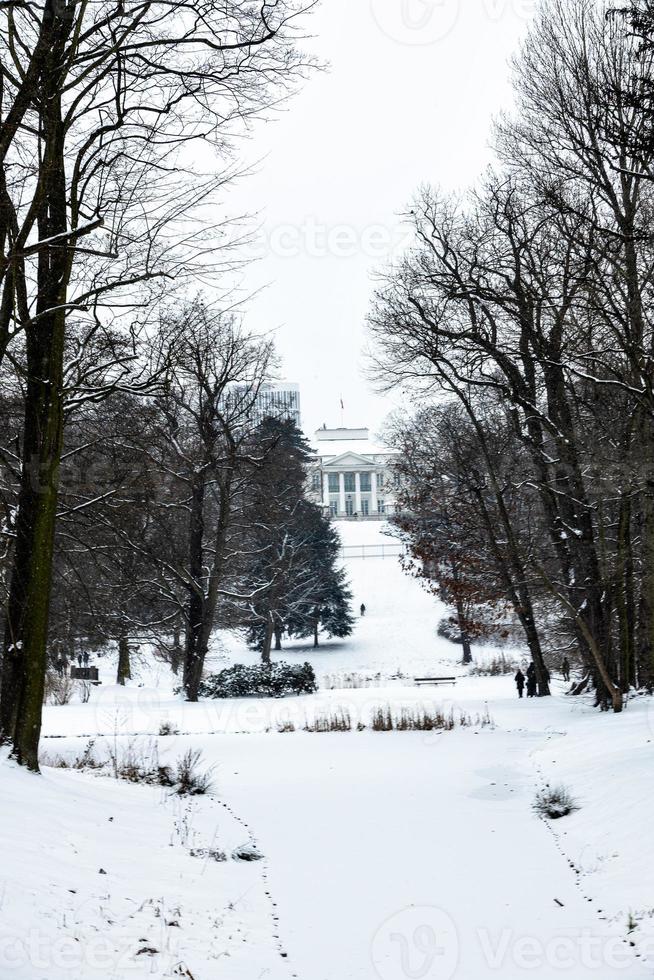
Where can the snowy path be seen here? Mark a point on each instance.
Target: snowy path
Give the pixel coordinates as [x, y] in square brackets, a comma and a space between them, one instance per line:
[402, 856]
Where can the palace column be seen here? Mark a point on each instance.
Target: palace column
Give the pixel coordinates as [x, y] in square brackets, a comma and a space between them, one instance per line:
[341, 493]
[357, 493]
[373, 492]
[325, 489]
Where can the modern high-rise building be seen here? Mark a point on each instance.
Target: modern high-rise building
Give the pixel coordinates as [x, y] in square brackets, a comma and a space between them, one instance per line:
[281, 400]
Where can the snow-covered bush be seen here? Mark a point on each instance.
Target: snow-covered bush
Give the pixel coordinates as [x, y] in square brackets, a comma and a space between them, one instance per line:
[167, 728]
[419, 719]
[247, 852]
[59, 688]
[139, 762]
[382, 720]
[208, 853]
[495, 667]
[276, 680]
[285, 726]
[191, 779]
[337, 721]
[555, 802]
[449, 630]
[87, 759]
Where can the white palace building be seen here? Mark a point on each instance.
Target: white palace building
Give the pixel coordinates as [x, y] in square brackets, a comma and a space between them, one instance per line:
[352, 475]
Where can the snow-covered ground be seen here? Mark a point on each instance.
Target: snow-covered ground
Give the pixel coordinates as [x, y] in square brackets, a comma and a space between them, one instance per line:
[387, 856]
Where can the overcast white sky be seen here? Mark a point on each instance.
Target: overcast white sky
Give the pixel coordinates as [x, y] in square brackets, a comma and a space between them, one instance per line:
[408, 98]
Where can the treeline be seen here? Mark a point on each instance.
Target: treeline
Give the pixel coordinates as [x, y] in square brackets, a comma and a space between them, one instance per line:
[117, 128]
[520, 321]
[182, 510]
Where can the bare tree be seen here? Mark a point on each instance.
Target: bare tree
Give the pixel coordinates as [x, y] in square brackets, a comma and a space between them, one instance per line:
[537, 290]
[106, 110]
[200, 444]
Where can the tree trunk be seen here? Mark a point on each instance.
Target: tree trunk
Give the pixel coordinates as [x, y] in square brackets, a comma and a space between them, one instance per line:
[267, 641]
[465, 639]
[25, 654]
[177, 652]
[193, 660]
[646, 606]
[315, 633]
[625, 595]
[124, 666]
[202, 604]
[278, 638]
[598, 664]
[513, 575]
[26, 630]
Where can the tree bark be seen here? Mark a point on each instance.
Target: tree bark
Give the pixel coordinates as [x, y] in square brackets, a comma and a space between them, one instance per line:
[25, 654]
[177, 654]
[124, 672]
[202, 604]
[461, 619]
[267, 641]
[625, 595]
[192, 655]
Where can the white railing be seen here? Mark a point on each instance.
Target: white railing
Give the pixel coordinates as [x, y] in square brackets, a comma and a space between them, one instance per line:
[391, 550]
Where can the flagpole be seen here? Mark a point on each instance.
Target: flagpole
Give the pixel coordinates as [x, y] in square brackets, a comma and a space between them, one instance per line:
[342, 414]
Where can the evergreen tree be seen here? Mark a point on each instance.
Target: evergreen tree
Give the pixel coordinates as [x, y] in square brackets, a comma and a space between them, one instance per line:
[293, 578]
[329, 605]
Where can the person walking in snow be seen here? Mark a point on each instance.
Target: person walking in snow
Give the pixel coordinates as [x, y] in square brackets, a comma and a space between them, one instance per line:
[363, 609]
[85, 658]
[79, 659]
[531, 681]
[565, 669]
[520, 682]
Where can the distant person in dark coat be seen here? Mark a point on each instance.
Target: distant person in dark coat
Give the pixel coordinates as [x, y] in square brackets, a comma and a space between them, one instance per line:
[565, 669]
[79, 659]
[85, 658]
[363, 609]
[532, 683]
[520, 682]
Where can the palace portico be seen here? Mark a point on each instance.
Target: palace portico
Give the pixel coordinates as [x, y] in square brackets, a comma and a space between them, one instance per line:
[353, 477]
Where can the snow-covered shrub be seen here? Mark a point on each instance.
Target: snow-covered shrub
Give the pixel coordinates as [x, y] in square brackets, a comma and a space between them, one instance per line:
[449, 630]
[167, 728]
[275, 680]
[339, 721]
[495, 667]
[285, 726]
[555, 802]
[419, 719]
[208, 853]
[484, 720]
[139, 763]
[382, 720]
[86, 760]
[191, 779]
[59, 688]
[422, 720]
[247, 852]
[354, 681]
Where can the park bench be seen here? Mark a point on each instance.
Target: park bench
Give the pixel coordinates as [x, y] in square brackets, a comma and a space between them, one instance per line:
[85, 674]
[434, 680]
